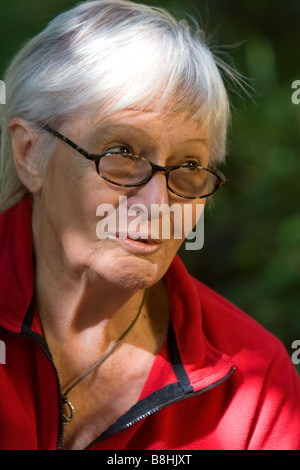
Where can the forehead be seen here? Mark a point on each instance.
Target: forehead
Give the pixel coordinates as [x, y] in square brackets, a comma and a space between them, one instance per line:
[148, 125]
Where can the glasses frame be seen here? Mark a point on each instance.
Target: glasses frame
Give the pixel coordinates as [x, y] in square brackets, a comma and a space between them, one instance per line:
[96, 158]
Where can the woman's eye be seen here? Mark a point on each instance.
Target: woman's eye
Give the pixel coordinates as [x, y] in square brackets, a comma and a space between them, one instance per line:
[191, 164]
[123, 149]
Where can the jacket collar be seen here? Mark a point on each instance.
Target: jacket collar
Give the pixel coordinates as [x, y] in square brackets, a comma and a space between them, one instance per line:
[16, 265]
[196, 363]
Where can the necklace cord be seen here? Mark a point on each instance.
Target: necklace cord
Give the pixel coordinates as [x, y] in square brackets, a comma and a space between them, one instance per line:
[105, 356]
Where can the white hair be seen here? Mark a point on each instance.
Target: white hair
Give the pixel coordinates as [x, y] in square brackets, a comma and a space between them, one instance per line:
[109, 55]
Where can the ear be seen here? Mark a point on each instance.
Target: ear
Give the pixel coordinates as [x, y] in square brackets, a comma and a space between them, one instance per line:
[23, 143]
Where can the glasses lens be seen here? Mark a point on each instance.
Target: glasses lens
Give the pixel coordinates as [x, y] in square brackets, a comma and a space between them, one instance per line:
[192, 181]
[124, 169]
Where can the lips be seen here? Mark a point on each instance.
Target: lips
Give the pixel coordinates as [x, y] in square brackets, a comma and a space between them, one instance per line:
[138, 243]
[141, 237]
[146, 240]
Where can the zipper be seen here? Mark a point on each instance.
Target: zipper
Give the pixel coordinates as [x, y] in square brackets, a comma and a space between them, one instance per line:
[106, 434]
[39, 340]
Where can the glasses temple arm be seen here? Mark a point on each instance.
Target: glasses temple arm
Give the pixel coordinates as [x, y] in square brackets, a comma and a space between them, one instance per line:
[86, 154]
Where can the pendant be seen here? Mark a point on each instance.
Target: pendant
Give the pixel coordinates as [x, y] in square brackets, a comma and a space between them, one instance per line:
[68, 419]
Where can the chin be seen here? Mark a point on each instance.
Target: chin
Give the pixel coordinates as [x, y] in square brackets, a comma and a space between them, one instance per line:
[128, 271]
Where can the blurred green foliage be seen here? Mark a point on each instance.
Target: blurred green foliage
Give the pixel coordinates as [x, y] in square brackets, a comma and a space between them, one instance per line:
[251, 251]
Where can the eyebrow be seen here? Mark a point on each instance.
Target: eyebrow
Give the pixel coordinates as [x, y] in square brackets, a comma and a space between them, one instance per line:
[143, 133]
[113, 128]
[197, 139]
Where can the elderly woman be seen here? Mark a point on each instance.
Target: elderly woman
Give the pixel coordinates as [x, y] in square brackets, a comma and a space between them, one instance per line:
[110, 343]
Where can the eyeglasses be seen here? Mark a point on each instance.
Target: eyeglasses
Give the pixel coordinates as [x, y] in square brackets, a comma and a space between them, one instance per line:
[187, 180]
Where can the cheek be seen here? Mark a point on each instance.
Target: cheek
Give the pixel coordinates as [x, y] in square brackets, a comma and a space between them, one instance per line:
[70, 196]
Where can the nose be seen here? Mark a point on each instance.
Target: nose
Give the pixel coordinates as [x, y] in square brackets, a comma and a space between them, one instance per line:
[153, 197]
[154, 192]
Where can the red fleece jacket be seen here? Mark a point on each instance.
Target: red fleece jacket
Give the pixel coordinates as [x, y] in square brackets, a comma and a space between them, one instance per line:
[220, 381]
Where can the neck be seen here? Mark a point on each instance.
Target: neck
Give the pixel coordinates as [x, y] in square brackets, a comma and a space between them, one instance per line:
[70, 307]
[83, 313]
[71, 298]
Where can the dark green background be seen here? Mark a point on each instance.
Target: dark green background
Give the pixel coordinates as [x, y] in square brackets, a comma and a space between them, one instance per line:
[251, 252]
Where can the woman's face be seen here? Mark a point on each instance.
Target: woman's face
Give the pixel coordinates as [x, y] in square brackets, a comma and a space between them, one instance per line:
[73, 190]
